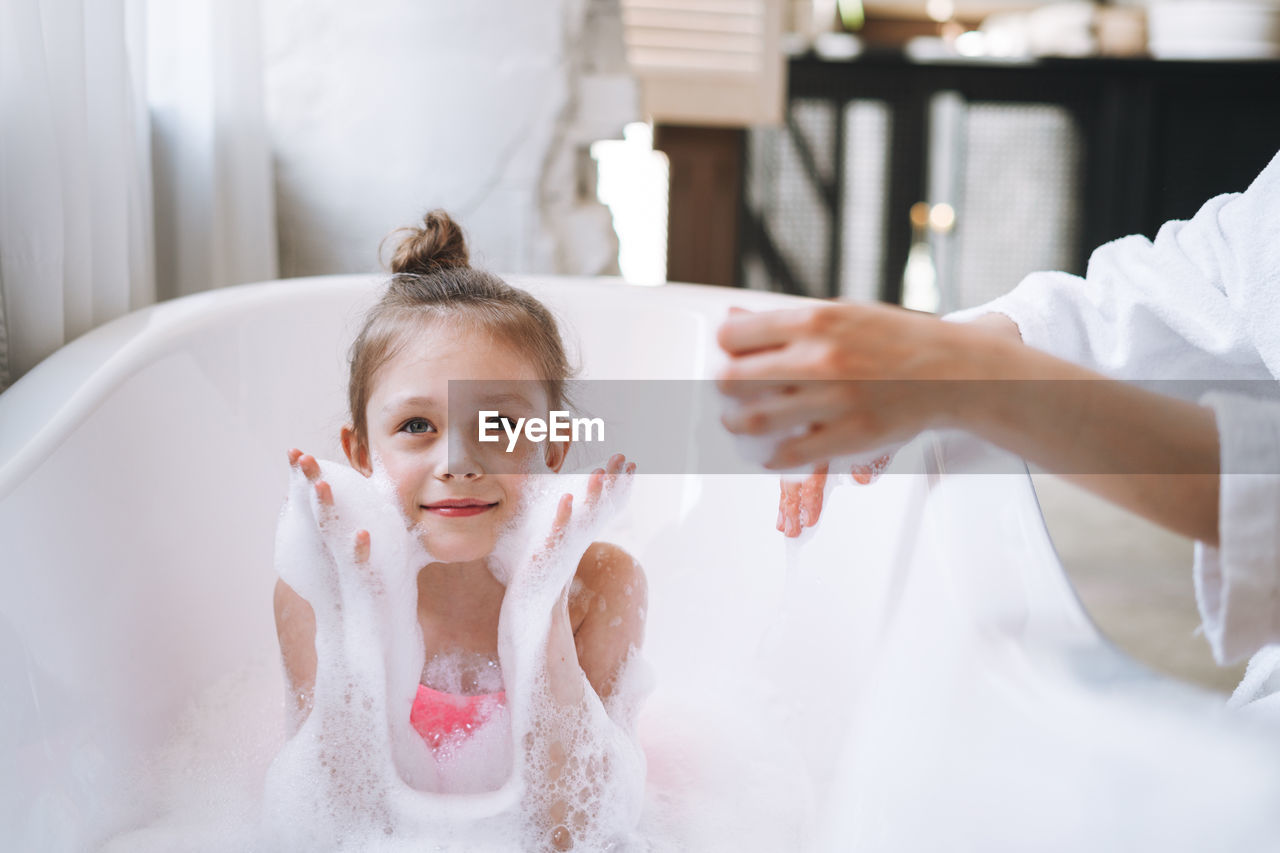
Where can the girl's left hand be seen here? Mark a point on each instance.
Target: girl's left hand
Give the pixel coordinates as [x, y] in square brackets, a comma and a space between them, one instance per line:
[573, 527]
[607, 491]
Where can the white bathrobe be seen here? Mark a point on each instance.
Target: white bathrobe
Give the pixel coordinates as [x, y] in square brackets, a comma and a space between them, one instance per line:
[1200, 302]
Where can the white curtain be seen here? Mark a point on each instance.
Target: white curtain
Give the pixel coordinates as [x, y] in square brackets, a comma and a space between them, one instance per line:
[134, 163]
[214, 192]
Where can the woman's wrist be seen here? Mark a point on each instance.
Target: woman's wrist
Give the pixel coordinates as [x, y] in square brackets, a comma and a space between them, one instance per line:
[983, 352]
[1001, 325]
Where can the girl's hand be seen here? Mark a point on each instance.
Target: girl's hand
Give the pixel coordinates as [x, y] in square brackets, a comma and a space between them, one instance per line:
[574, 525]
[326, 512]
[800, 503]
[608, 489]
[539, 573]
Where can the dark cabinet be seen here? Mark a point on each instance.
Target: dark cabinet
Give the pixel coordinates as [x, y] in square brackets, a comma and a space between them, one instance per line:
[1043, 161]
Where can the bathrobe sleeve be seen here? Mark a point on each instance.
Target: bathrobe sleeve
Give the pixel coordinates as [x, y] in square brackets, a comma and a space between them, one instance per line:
[1200, 302]
[1195, 303]
[1238, 582]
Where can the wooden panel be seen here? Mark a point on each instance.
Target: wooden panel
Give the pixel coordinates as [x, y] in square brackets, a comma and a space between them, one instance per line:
[707, 62]
[702, 222]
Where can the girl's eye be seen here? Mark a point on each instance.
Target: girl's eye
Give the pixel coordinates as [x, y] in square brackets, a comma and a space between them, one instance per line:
[417, 426]
[501, 422]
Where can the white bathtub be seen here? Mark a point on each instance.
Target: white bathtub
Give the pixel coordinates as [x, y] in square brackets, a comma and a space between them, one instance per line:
[923, 658]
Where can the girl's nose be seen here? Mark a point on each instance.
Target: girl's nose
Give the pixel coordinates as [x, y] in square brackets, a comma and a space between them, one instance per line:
[460, 462]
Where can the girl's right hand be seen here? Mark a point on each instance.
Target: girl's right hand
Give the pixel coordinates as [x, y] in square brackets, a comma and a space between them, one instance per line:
[326, 511]
[800, 503]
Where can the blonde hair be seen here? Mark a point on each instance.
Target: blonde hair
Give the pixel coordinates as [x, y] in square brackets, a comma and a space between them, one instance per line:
[432, 278]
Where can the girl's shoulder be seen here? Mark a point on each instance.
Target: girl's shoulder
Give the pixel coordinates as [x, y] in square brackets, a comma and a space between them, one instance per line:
[607, 561]
[607, 573]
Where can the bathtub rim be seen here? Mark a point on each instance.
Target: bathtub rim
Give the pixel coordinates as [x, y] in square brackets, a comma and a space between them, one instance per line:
[40, 409]
[87, 370]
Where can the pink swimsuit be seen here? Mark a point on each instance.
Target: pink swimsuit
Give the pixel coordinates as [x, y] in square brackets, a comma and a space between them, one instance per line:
[441, 717]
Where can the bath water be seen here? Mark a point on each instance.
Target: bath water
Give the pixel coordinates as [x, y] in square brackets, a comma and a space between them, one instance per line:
[655, 769]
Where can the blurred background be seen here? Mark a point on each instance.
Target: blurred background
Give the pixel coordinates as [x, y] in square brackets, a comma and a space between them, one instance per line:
[928, 153]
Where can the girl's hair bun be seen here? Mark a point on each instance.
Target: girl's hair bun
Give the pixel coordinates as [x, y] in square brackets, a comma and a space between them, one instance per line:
[435, 245]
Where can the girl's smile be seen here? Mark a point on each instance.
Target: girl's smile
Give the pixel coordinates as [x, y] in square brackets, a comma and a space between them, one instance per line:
[460, 507]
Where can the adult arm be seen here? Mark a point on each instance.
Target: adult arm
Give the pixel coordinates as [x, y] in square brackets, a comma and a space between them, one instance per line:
[1202, 301]
[1166, 453]
[868, 375]
[1199, 302]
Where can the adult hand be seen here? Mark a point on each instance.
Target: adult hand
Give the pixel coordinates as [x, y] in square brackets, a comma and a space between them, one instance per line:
[858, 377]
[855, 377]
[832, 369]
[800, 501]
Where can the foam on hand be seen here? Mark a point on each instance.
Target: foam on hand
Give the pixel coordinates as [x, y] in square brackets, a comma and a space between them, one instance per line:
[759, 449]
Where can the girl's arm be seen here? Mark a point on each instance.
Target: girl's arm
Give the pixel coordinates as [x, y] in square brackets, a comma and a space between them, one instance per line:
[592, 637]
[607, 616]
[296, 628]
[296, 619]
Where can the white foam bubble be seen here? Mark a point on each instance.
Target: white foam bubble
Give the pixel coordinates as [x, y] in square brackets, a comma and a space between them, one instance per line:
[539, 773]
[356, 776]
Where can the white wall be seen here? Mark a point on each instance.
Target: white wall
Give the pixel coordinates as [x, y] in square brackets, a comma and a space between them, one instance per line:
[383, 109]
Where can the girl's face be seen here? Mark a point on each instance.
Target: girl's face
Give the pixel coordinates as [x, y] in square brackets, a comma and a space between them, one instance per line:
[460, 506]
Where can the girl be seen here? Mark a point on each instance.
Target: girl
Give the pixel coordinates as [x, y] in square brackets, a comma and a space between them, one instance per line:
[443, 320]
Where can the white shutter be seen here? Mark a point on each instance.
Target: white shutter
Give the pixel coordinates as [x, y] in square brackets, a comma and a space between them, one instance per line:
[707, 62]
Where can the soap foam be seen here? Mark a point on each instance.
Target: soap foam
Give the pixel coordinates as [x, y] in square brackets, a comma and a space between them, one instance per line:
[356, 776]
